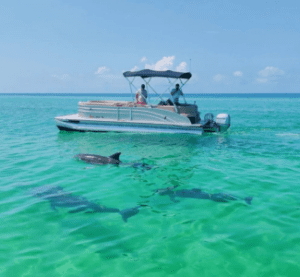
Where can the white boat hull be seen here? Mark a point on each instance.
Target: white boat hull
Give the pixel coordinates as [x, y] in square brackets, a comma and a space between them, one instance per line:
[76, 123]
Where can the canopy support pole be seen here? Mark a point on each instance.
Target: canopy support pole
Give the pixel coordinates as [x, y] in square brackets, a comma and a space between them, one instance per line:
[147, 86]
[152, 88]
[171, 84]
[186, 76]
[130, 85]
[169, 88]
[182, 84]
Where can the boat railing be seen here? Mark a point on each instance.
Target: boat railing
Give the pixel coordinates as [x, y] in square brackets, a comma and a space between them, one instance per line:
[124, 112]
[191, 109]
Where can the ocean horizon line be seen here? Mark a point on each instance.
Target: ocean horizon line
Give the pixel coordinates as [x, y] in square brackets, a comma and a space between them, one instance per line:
[239, 95]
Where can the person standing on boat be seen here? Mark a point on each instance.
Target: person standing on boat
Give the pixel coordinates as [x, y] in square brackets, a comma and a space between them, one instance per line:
[141, 95]
[175, 94]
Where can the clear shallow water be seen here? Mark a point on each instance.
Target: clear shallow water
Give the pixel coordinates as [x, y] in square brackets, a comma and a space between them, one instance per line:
[259, 157]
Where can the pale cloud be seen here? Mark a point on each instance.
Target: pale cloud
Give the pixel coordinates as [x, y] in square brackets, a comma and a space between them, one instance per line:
[143, 59]
[269, 74]
[238, 73]
[62, 77]
[101, 70]
[181, 67]
[270, 71]
[135, 68]
[262, 80]
[164, 64]
[104, 74]
[219, 77]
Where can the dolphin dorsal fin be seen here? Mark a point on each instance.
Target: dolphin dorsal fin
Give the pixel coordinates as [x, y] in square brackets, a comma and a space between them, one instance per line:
[115, 156]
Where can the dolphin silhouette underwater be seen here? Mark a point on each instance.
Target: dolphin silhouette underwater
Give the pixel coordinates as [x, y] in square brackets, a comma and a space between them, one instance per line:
[62, 199]
[113, 159]
[198, 194]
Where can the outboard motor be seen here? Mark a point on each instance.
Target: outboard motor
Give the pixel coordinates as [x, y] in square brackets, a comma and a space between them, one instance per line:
[223, 120]
[208, 117]
[210, 126]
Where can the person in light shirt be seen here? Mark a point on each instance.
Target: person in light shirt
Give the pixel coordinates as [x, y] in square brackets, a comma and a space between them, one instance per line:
[141, 95]
[175, 94]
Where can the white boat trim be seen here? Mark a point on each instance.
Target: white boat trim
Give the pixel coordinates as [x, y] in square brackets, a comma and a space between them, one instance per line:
[78, 117]
[76, 123]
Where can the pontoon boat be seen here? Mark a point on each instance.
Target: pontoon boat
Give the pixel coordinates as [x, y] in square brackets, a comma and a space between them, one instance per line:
[128, 116]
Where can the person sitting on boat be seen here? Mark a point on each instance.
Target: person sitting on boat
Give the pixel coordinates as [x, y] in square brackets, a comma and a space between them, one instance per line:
[175, 94]
[141, 95]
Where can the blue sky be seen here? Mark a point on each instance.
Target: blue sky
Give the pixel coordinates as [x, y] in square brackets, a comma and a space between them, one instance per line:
[84, 46]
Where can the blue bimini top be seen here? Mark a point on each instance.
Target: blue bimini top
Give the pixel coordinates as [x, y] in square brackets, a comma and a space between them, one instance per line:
[148, 73]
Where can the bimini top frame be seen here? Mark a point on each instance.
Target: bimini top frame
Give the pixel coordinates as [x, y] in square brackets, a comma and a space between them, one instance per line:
[148, 73]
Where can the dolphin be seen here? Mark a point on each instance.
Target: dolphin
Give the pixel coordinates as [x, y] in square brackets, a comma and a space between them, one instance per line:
[97, 159]
[113, 159]
[198, 194]
[62, 199]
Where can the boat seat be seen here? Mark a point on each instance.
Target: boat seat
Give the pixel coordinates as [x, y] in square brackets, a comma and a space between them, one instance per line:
[165, 107]
[186, 110]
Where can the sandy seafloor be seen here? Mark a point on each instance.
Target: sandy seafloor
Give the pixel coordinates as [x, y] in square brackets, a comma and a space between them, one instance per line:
[259, 157]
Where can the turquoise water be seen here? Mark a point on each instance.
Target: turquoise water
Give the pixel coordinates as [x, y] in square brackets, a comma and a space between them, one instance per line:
[259, 157]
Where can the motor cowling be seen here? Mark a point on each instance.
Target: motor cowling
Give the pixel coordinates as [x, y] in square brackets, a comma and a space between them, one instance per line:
[223, 120]
[208, 117]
